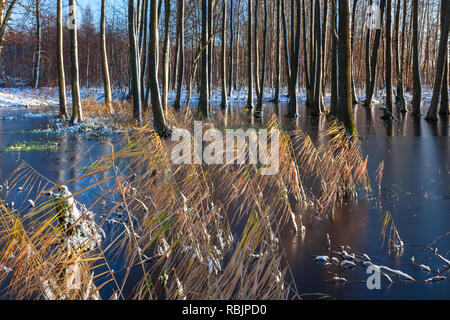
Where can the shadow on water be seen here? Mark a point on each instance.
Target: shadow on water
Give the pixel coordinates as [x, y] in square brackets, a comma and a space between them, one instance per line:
[415, 190]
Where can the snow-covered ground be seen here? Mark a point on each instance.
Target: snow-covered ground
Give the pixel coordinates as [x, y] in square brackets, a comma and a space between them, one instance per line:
[28, 97]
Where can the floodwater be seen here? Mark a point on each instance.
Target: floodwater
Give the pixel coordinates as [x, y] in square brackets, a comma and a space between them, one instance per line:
[415, 190]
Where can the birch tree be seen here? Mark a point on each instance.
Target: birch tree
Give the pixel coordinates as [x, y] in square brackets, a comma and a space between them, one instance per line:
[105, 68]
[77, 113]
[61, 72]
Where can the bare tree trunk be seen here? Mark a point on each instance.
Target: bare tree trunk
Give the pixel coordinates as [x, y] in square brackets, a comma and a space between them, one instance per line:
[237, 72]
[105, 68]
[441, 61]
[249, 57]
[354, 97]
[61, 73]
[368, 65]
[143, 46]
[264, 60]
[373, 61]
[211, 4]
[134, 62]
[77, 114]
[400, 98]
[5, 23]
[294, 63]
[256, 59]
[317, 107]
[204, 91]
[324, 51]
[276, 99]
[312, 57]
[230, 67]
[224, 102]
[159, 120]
[444, 110]
[388, 63]
[345, 68]
[305, 56]
[166, 55]
[180, 53]
[334, 61]
[417, 90]
[37, 52]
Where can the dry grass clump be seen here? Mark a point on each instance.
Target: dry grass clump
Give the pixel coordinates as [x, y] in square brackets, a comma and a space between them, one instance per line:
[188, 231]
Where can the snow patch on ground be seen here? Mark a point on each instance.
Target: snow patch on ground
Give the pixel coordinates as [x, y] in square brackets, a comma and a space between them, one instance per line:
[27, 97]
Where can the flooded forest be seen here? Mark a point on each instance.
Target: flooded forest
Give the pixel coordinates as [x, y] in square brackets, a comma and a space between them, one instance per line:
[224, 150]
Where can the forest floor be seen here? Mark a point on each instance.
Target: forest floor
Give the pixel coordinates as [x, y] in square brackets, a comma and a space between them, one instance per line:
[48, 96]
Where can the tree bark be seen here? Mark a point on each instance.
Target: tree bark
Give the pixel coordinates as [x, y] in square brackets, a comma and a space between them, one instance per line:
[374, 60]
[441, 62]
[180, 53]
[400, 97]
[37, 52]
[388, 62]
[134, 62]
[276, 99]
[249, 57]
[317, 107]
[159, 120]
[417, 85]
[204, 91]
[345, 68]
[354, 97]
[105, 68]
[61, 72]
[224, 102]
[444, 110]
[77, 113]
[231, 61]
[264, 60]
[166, 54]
[334, 61]
[368, 55]
[5, 23]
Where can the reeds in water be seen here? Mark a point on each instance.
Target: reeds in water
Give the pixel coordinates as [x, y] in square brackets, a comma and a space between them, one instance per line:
[186, 231]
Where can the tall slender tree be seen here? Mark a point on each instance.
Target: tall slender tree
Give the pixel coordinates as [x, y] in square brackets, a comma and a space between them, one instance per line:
[166, 54]
[317, 107]
[224, 102]
[159, 120]
[77, 113]
[441, 62]
[417, 83]
[180, 52]
[292, 58]
[374, 59]
[231, 60]
[250, 56]
[400, 56]
[367, 59]
[61, 73]
[276, 98]
[388, 62]
[134, 62]
[261, 82]
[354, 97]
[204, 90]
[37, 51]
[334, 61]
[444, 110]
[105, 68]
[4, 23]
[345, 113]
